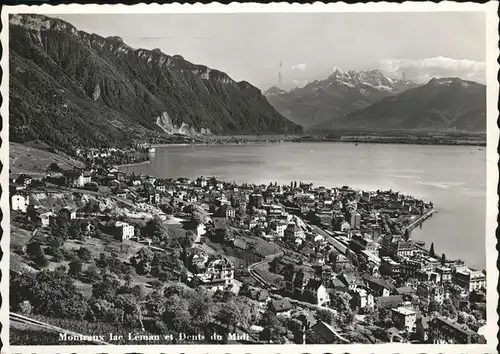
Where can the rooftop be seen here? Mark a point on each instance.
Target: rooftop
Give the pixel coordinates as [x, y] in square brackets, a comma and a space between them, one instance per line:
[404, 311]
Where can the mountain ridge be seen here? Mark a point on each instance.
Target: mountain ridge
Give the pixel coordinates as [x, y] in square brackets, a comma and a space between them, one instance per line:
[64, 81]
[342, 92]
[441, 104]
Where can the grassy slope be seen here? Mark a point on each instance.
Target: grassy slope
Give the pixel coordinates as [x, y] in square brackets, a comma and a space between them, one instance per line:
[23, 159]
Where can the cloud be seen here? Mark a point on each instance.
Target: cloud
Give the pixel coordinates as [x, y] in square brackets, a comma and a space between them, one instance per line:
[422, 70]
[301, 67]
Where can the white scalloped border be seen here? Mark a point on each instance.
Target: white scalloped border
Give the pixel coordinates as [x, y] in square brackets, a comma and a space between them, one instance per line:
[492, 69]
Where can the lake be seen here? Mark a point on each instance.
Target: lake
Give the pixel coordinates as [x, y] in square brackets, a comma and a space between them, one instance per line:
[452, 177]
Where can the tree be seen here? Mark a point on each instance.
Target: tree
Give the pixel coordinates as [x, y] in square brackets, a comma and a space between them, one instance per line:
[434, 306]
[407, 234]
[229, 314]
[128, 280]
[186, 241]
[55, 243]
[75, 231]
[156, 230]
[249, 311]
[274, 330]
[431, 251]
[34, 249]
[340, 302]
[201, 309]
[51, 293]
[244, 290]
[75, 268]
[106, 288]
[448, 305]
[197, 218]
[443, 259]
[84, 254]
[144, 255]
[177, 315]
[25, 308]
[324, 315]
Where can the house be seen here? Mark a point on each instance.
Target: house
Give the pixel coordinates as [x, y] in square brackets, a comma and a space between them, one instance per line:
[45, 218]
[19, 201]
[377, 285]
[24, 180]
[160, 187]
[135, 181]
[344, 226]
[445, 273]
[432, 292]
[350, 280]
[293, 232]
[401, 248]
[267, 197]
[281, 307]
[388, 302]
[389, 267]
[260, 295]
[121, 193]
[76, 178]
[226, 211]
[201, 182]
[446, 331]
[362, 299]
[469, 279]
[219, 269]
[123, 231]
[315, 292]
[200, 230]
[68, 213]
[240, 243]
[252, 224]
[340, 260]
[338, 285]
[296, 281]
[278, 227]
[153, 198]
[404, 290]
[404, 319]
[255, 201]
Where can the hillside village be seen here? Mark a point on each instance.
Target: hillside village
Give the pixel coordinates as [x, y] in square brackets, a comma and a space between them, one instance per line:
[297, 263]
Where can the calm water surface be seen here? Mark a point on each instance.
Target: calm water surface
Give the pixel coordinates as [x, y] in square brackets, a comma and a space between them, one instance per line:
[452, 177]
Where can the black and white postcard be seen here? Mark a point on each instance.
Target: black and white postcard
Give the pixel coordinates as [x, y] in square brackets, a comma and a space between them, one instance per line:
[244, 178]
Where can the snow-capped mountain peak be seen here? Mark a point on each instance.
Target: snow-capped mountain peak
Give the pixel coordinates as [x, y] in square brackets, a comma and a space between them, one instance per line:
[373, 78]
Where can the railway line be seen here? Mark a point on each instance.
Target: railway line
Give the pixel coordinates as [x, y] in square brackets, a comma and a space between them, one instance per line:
[20, 319]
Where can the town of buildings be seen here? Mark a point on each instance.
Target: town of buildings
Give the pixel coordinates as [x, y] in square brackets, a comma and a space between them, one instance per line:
[331, 243]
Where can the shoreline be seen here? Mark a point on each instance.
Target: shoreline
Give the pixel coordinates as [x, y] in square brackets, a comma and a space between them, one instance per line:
[133, 164]
[343, 141]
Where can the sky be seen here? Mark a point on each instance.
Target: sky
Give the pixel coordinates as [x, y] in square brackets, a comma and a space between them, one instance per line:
[250, 47]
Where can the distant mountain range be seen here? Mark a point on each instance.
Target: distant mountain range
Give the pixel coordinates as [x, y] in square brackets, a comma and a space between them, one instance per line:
[69, 87]
[441, 104]
[370, 100]
[343, 92]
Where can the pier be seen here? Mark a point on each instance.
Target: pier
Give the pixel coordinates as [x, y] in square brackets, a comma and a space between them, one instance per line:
[419, 220]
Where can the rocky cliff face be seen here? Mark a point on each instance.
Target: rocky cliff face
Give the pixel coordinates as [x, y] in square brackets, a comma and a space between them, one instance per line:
[341, 93]
[69, 87]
